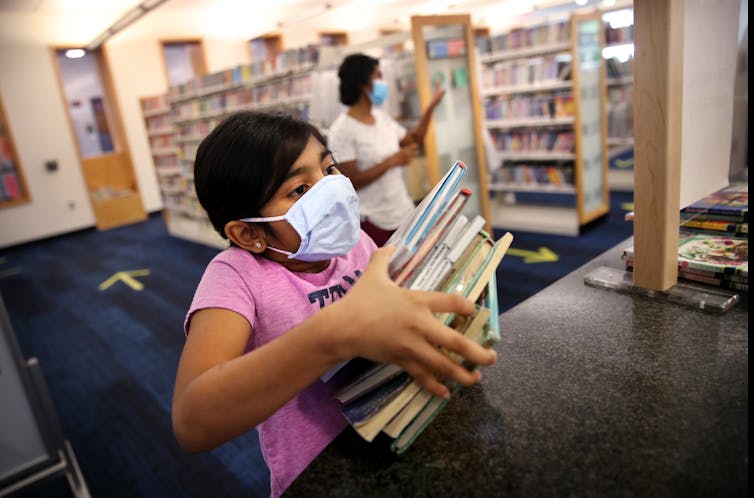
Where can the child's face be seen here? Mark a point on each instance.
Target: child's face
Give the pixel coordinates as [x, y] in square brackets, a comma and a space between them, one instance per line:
[314, 163]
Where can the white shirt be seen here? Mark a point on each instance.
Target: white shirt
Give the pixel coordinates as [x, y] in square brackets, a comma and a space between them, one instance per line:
[385, 202]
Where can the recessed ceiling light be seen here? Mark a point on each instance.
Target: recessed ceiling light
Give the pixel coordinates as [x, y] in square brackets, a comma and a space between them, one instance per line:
[75, 53]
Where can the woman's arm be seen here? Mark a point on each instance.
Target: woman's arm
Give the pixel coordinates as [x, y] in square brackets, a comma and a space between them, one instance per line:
[363, 178]
[221, 393]
[416, 135]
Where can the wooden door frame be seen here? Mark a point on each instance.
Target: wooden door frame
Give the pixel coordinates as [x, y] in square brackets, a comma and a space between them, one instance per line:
[112, 111]
[119, 139]
[424, 87]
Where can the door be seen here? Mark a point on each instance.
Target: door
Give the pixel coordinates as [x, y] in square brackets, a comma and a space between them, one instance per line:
[86, 88]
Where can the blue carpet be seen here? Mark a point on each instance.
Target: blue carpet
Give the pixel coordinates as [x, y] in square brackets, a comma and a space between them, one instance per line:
[110, 357]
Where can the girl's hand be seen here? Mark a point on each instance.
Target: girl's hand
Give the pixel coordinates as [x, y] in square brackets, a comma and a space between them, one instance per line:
[389, 324]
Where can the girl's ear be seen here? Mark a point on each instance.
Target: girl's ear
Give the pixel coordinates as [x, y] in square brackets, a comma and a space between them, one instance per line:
[246, 236]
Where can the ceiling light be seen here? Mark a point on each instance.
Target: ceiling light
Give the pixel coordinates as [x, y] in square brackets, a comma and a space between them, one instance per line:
[75, 53]
[581, 2]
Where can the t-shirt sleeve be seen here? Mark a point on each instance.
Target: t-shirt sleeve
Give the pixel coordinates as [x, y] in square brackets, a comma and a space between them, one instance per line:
[342, 143]
[399, 129]
[222, 287]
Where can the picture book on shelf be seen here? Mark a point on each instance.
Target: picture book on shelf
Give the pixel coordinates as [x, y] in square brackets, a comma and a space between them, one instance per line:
[730, 203]
[437, 249]
[713, 259]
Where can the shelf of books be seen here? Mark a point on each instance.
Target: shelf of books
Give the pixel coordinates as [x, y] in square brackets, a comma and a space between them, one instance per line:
[159, 127]
[532, 109]
[281, 83]
[618, 54]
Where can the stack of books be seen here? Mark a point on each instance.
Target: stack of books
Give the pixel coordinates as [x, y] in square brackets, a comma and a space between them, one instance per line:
[437, 248]
[725, 213]
[713, 246]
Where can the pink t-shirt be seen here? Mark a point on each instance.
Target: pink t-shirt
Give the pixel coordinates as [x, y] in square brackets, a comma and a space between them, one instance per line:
[274, 300]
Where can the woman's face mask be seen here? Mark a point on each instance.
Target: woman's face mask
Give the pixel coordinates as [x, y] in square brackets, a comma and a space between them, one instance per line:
[379, 92]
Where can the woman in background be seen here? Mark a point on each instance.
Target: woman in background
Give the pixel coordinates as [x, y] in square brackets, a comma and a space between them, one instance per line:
[371, 147]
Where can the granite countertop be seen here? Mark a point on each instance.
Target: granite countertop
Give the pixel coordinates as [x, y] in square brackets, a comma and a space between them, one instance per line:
[595, 393]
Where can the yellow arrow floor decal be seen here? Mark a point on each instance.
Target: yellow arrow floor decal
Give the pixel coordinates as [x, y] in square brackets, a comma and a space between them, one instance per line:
[127, 277]
[627, 206]
[543, 255]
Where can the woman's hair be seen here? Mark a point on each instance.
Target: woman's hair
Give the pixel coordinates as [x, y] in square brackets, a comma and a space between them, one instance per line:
[241, 164]
[354, 73]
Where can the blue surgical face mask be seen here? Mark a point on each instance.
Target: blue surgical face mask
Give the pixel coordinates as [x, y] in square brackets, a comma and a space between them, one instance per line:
[379, 92]
[326, 218]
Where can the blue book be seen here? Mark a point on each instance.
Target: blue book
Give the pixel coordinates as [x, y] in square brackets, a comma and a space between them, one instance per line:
[412, 231]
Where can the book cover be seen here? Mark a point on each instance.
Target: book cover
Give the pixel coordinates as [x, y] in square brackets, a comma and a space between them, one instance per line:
[370, 427]
[732, 202]
[411, 230]
[359, 410]
[715, 253]
[438, 230]
[375, 376]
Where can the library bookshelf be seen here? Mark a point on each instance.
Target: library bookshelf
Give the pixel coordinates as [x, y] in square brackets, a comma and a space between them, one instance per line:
[544, 123]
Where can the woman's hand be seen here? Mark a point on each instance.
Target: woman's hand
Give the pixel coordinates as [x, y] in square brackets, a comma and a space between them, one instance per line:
[405, 155]
[439, 93]
[389, 324]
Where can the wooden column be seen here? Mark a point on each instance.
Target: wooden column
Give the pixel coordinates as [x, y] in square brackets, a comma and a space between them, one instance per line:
[658, 98]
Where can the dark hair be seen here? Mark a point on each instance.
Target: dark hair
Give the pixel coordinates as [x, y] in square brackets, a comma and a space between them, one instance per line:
[240, 165]
[354, 73]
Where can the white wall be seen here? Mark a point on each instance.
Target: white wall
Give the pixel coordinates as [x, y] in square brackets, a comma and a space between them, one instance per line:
[710, 49]
[36, 116]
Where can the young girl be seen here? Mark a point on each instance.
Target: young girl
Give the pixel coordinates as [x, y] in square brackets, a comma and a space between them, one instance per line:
[282, 306]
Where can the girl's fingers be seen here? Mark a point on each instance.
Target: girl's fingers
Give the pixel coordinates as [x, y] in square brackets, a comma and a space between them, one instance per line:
[437, 363]
[441, 302]
[439, 334]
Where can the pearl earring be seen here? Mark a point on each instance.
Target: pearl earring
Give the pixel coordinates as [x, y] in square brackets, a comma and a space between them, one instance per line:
[257, 245]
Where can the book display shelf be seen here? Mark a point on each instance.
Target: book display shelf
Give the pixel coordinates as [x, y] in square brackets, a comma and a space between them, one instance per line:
[543, 94]
[619, 111]
[160, 132]
[279, 83]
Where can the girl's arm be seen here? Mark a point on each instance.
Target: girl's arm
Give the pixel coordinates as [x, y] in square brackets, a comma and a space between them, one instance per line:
[221, 393]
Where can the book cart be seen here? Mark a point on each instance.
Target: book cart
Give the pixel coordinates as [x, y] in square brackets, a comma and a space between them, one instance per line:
[544, 98]
[282, 82]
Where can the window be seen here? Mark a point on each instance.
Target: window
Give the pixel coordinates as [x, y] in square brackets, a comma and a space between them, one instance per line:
[184, 60]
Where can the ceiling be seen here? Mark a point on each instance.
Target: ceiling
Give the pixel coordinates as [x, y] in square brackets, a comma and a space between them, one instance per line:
[81, 21]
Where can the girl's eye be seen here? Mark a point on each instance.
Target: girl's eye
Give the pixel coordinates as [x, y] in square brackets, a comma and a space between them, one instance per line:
[300, 190]
[332, 169]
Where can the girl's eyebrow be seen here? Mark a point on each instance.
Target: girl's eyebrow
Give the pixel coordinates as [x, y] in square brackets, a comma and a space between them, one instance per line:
[297, 171]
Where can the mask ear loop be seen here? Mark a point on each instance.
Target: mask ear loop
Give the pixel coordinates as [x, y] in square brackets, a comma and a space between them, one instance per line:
[269, 218]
